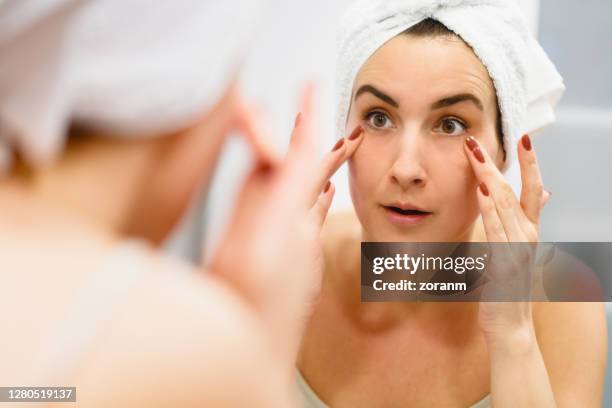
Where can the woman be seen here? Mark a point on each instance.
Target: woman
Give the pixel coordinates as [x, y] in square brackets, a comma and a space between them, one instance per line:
[105, 138]
[437, 135]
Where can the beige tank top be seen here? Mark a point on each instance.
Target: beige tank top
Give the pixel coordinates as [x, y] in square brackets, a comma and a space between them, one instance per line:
[310, 400]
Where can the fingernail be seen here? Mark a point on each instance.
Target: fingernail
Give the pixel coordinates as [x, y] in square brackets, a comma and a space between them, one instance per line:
[549, 192]
[526, 141]
[327, 186]
[484, 189]
[265, 168]
[338, 145]
[471, 142]
[356, 133]
[478, 154]
[298, 119]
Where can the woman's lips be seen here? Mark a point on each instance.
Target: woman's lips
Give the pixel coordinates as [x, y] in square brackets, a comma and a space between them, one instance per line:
[405, 218]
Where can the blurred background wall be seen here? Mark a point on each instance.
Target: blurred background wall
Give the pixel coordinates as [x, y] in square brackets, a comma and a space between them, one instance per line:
[576, 153]
[296, 41]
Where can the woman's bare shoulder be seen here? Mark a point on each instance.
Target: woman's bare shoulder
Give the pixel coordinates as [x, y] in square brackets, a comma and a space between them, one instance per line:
[579, 321]
[572, 338]
[572, 335]
[187, 337]
[566, 277]
[570, 320]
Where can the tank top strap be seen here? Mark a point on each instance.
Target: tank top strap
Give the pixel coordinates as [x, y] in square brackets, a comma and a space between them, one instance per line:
[310, 399]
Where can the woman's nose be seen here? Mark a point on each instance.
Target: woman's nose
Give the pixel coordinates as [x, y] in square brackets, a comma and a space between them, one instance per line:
[408, 168]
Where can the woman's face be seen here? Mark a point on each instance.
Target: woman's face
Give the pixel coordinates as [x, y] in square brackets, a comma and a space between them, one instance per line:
[417, 99]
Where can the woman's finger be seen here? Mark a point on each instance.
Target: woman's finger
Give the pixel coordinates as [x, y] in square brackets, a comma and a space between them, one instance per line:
[506, 203]
[339, 153]
[301, 163]
[250, 120]
[321, 207]
[492, 224]
[532, 188]
[302, 139]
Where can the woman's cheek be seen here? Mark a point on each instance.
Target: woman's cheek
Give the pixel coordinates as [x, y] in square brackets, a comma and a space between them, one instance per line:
[367, 170]
[455, 180]
[495, 151]
[358, 178]
[455, 157]
[371, 162]
[488, 139]
[466, 198]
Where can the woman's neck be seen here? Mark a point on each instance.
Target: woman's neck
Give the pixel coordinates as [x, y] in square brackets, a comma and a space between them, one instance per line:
[92, 185]
[380, 315]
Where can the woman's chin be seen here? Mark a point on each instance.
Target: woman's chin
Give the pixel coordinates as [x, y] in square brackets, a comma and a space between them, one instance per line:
[389, 228]
[385, 232]
[389, 233]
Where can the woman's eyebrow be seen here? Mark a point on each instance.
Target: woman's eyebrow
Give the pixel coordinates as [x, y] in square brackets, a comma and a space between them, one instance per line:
[451, 100]
[377, 93]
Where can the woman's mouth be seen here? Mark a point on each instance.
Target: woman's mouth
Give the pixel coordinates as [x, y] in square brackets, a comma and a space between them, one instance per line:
[405, 215]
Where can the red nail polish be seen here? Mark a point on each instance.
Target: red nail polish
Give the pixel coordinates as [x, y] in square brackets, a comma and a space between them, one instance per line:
[356, 133]
[327, 186]
[484, 189]
[478, 154]
[265, 169]
[471, 142]
[298, 119]
[526, 141]
[338, 145]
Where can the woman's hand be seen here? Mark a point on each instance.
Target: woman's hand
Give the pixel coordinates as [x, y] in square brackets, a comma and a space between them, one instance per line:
[516, 361]
[506, 219]
[342, 150]
[270, 254]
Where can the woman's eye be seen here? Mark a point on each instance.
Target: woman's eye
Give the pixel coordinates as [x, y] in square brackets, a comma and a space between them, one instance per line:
[378, 120]
[451, 126]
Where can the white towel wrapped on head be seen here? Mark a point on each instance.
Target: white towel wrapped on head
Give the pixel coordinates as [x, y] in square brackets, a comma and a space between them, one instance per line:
[134, 68]
[527, 84]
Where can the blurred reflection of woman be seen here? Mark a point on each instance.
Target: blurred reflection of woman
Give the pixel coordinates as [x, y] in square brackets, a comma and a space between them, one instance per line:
[112, 116]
